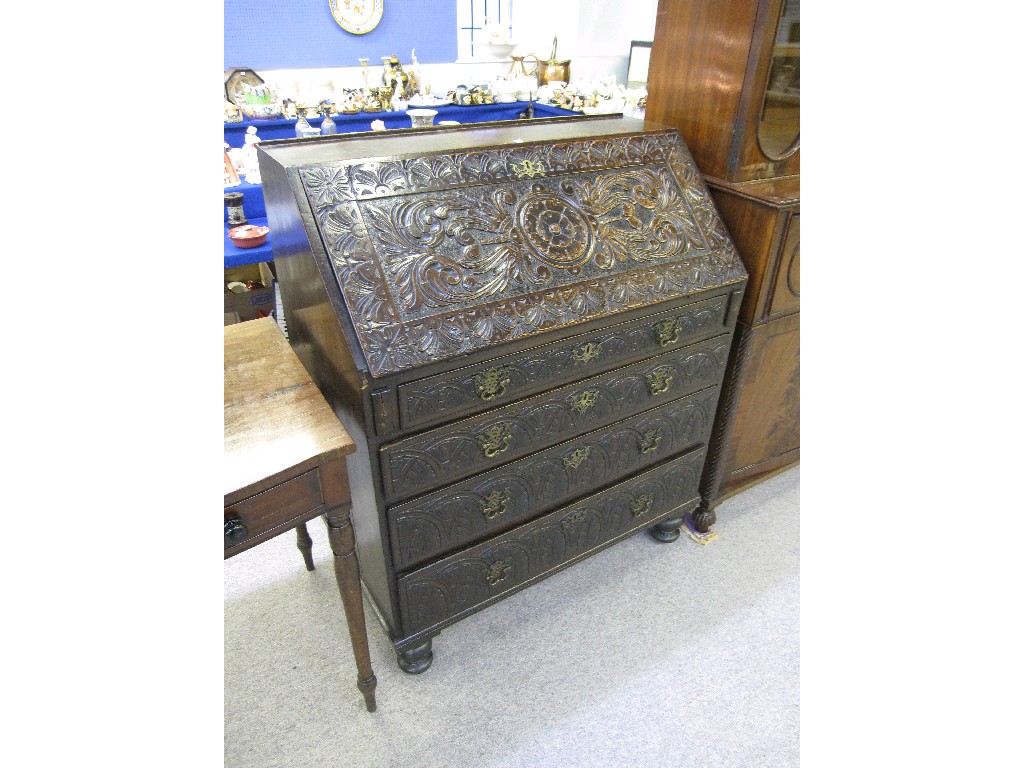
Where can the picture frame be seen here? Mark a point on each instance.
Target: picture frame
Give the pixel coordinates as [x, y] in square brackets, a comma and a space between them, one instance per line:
[639, 63]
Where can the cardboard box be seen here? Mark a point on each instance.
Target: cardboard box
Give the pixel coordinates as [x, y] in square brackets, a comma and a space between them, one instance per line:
[251, 304]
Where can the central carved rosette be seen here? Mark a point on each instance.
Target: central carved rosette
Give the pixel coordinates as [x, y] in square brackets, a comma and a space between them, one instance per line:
[554, 230]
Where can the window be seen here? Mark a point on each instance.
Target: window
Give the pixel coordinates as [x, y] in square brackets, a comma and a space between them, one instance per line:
[471, 16]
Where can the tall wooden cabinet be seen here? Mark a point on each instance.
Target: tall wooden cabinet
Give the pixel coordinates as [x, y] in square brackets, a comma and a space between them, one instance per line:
[726, 73]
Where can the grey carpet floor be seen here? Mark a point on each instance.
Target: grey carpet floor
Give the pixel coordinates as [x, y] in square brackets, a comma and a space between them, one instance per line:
[646, 654]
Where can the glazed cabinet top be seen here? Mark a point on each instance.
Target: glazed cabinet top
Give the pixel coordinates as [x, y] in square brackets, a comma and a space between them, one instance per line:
[726, 74]
[442, 243]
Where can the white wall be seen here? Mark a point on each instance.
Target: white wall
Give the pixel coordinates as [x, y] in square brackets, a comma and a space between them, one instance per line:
[593, 34]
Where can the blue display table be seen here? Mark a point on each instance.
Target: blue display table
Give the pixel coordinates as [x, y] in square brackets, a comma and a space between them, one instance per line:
[252, 201]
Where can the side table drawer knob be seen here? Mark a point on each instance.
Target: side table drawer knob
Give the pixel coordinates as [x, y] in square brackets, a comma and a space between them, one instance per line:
[234, 530]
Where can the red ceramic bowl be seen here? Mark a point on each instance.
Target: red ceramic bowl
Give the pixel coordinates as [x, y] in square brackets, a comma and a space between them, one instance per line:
[248, 236]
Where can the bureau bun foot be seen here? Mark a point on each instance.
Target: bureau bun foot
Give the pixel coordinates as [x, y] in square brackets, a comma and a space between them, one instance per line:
[667, 530]
[703, 518]
[416, 659]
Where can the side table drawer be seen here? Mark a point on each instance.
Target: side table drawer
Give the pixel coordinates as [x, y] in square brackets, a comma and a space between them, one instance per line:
[279, 507]
[469, 580]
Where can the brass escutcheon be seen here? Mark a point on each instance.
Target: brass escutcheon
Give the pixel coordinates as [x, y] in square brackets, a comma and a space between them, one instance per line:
[586, 353]
[641, 505]
[650, 440]
[498, 572]
[584, 400]
[576, 458]
[495, 503]
[528, 169]
[491, 383]
[495, 440]
[668, 332]
[658, 380]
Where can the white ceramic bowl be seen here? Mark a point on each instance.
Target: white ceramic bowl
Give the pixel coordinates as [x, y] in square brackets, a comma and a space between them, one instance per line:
[422, 118]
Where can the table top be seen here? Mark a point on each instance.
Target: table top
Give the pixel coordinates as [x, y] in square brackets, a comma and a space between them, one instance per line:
[276, 422]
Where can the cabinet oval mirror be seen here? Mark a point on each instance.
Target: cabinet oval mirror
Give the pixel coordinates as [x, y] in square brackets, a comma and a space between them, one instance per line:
[778, 131]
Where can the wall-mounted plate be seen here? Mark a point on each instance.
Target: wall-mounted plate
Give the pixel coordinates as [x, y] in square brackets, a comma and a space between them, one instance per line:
[357, 16]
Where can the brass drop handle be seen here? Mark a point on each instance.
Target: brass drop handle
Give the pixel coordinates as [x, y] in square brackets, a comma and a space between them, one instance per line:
[498, 571]
[491, 383]
[668, 332]
[577, 457]
[234, 530]
[641, 505]
[659, 380]
[495, 503]
[650, 440]
[495, 440]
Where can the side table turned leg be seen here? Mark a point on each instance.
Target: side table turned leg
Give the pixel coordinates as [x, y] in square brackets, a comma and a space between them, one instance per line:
[704, 517]
[346, 570]
[305, 545]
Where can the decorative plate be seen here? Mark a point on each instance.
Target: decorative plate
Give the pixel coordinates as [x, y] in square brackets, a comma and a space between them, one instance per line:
[357, 16]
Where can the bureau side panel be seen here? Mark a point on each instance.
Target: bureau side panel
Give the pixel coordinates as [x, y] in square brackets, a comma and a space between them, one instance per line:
[334, 363]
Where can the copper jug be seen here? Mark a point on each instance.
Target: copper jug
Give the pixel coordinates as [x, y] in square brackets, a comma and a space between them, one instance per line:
[552, 69]
[518, 68]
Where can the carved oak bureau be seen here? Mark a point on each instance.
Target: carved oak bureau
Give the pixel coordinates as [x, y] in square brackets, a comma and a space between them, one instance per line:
[524, 326]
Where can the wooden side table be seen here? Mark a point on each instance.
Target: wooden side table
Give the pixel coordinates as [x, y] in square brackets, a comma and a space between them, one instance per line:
[284, 464]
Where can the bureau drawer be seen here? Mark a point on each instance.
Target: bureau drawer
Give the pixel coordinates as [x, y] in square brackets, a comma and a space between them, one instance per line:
[476, 577]
[441, 456]
[495, 501]
[277, 508]
[475, 388]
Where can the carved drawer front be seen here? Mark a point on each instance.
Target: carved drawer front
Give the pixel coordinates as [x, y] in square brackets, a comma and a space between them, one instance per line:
[273, 509]
[487, 504]
[476, 388]
[441, 456]
[473, 578]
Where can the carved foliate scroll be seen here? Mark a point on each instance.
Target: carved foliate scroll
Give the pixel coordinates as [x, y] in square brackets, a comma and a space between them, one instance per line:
[440, 255]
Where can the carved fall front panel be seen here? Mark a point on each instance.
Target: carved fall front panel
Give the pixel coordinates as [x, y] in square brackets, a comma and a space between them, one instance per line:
[443, 254]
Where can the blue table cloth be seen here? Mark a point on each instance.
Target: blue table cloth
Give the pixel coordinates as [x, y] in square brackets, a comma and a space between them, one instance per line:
[234, 133]
[252, 200]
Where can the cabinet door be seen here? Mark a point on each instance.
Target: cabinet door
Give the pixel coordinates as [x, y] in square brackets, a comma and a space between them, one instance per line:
[766, 433]
[786, 290]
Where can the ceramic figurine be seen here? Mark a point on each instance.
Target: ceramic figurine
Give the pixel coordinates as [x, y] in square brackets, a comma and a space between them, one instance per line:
[415, 76]
[396, 77]
[249, 157]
